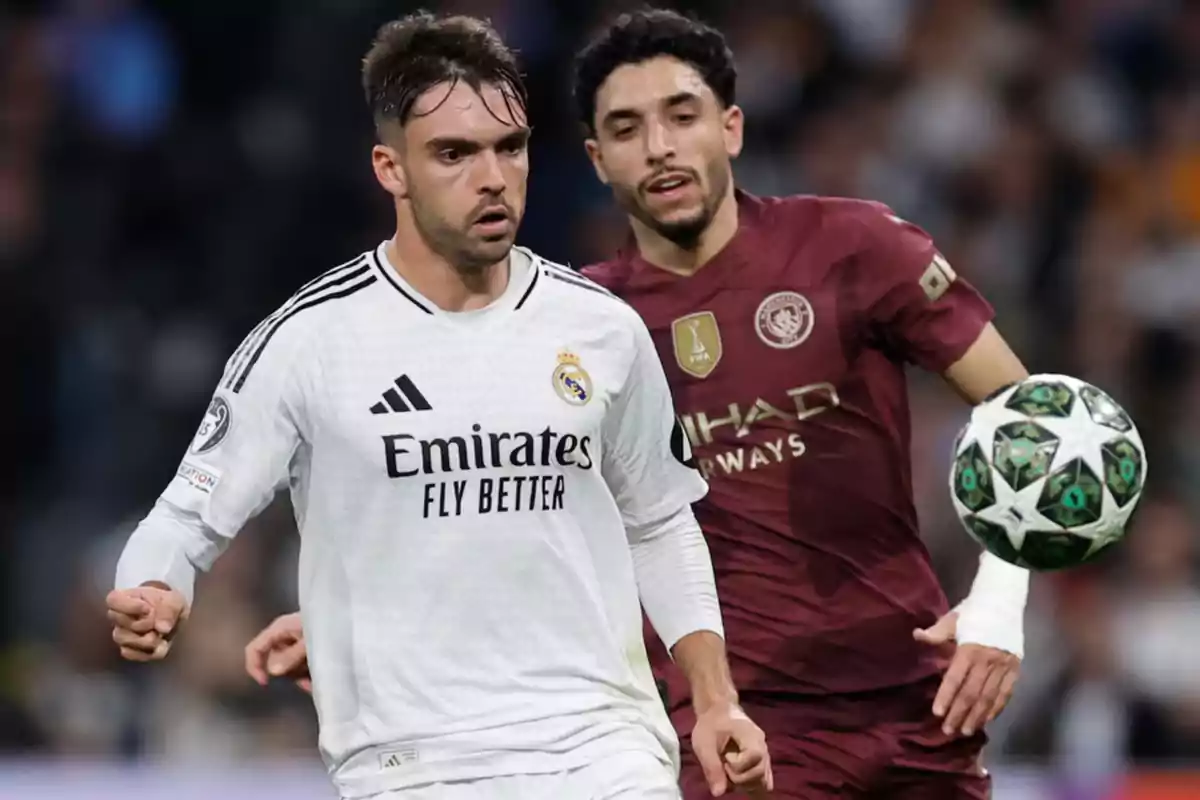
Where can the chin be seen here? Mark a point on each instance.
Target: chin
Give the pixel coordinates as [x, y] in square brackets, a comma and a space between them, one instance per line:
[683, 226]
[484, 254]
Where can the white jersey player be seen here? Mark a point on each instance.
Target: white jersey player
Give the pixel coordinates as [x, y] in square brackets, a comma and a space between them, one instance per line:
[487, 477]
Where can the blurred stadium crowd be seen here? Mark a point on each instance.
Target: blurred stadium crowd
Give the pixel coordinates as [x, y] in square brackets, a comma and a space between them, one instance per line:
[171, 171]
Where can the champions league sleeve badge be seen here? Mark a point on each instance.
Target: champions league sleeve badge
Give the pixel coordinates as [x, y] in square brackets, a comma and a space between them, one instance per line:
[214, 427]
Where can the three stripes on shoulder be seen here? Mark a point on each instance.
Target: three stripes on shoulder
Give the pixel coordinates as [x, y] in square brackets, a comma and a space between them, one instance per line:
[341, 281]
[569, 276]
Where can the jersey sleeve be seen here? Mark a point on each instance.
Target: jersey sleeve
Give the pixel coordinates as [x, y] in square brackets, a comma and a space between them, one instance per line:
[917, 305]
[647, 460]
[238, 459]
[240, 455]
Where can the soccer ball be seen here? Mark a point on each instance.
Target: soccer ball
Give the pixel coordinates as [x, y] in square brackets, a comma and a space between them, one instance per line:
[1047, 472]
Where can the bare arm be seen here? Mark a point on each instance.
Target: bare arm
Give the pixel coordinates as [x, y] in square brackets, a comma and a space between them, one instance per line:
[988, 365]
[701, 657]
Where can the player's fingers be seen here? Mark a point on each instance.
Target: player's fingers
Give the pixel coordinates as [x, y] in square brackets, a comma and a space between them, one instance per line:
[978, 714]
[256, 660]
[129, 622]
[125, 603]
[744, 759]
[968, 694]
[305, 684]
[747, 775]
[1007, 684]
[287, 659]
[951, 683]
[144, 642]
[941, 632]
[130, 654]
[704, 745]
[168, 613]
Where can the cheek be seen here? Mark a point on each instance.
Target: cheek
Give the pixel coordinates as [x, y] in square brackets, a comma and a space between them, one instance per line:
[624, 171]
[517, 173]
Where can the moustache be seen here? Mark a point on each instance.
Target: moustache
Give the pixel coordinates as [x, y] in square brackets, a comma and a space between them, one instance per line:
[684, 172]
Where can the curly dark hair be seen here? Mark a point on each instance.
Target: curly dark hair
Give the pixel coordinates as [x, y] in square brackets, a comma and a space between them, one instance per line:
[415, 53]
[642, 35]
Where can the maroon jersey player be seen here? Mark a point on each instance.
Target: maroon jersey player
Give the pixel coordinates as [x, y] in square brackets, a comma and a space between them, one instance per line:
[784, 326]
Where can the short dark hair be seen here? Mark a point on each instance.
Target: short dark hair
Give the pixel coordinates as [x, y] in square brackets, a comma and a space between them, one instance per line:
[415, 53]
[642, 35]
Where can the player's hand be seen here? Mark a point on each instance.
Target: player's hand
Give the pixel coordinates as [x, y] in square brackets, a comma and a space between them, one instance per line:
[978, 684]
[732, 751]
[145, 620]
[278, 651]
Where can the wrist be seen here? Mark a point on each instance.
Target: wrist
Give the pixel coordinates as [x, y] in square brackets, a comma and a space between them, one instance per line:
[995, 626]
[711, 699]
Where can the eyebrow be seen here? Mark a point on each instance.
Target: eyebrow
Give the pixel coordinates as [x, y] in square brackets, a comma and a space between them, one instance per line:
[677, 99]
[519, 136]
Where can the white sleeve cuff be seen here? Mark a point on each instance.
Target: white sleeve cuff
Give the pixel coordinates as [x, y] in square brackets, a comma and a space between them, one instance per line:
[993, 614]
[168, 546]
[675, 577]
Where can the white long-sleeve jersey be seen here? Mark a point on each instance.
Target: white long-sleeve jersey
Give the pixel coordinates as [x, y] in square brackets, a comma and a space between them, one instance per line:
[470, 491]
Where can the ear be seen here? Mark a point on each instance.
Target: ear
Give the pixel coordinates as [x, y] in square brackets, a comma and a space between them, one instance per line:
[597, 158]
[733, 128]
[389, 170]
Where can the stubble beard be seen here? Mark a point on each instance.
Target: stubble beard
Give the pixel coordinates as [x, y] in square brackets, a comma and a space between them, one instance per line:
[684, 233]
[469, 256]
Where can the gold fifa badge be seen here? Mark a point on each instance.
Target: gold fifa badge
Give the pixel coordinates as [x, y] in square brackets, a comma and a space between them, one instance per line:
[697, 341]
[571, 381]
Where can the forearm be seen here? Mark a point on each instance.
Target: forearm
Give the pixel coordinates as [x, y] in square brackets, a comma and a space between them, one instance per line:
[675, 581]
[993, 614]
[675, 578]
[167, 549]
[702, 658]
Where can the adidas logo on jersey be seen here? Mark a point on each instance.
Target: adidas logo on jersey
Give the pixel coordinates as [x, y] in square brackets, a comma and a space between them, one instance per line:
[398, 758]
[402, 396]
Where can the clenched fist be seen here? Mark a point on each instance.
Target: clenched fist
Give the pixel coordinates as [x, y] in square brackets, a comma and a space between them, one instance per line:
[145, 620]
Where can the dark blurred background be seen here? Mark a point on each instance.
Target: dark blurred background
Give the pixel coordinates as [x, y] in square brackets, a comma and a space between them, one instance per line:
[170, 171]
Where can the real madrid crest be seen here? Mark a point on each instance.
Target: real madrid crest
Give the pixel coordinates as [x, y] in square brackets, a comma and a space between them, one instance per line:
[784, 320]
[697, 341]
[571, 381]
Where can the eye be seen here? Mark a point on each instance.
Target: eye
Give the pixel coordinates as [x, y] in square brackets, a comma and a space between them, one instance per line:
[624, 132]
[450, 155]
[513, 148]
[685, 118]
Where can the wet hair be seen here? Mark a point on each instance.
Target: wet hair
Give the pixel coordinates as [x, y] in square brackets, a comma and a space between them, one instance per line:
[413, 54]
[640, 36]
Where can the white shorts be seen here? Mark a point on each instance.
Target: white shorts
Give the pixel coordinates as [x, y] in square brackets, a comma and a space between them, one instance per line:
[624, 776]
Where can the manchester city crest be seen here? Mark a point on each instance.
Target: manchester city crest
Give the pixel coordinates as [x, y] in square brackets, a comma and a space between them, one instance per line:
[784, 320]
[571, 381]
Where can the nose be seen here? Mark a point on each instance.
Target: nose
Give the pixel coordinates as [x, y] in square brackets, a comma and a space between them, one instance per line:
[660, 143]
[489, 176]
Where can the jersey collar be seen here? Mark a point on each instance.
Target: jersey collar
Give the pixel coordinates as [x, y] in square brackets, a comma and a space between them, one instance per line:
[523, 277]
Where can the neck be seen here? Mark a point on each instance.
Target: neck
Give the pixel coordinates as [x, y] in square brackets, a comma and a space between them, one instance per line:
[438, 280]
[665, 254]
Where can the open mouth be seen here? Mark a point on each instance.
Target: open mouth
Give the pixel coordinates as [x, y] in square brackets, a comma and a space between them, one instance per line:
[493, 221]
[669, 184]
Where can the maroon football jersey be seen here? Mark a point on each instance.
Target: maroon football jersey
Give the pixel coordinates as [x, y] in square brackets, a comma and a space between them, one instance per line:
[786, 356]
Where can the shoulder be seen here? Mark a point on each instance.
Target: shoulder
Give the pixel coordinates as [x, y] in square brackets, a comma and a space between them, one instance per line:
[612, 274]
[277, 339]
[851, 219]
[588, 298]
[580, 287]
[846, 230]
